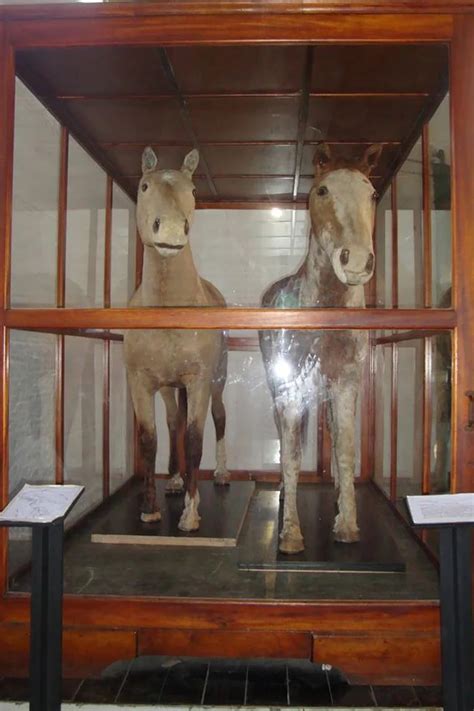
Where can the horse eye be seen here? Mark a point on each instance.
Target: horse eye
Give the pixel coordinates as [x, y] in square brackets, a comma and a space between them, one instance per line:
[144, 187]
[375, 195]
[194, 192]
[322, 191]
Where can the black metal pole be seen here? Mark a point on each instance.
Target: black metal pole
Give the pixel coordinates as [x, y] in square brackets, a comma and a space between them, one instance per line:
[46, 617]
[456, 617]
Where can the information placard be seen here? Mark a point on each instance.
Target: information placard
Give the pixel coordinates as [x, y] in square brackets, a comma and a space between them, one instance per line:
[40, 503]
[441, 509]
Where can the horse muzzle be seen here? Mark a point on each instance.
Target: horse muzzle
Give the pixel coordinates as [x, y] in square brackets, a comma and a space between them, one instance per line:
[166, 249]
[353, 266]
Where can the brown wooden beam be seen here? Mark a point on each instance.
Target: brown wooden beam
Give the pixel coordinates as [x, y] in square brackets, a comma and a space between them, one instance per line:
[394, 423]
[405, 336]
[134, 145]
[262, 204]
[60, 303]
[104, 96]
[227, 318]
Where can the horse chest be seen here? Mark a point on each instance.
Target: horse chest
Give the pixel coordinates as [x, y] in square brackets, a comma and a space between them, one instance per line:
[171, 357]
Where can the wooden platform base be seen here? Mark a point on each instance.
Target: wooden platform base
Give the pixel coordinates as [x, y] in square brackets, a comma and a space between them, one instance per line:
[222, 509]
[376, 552]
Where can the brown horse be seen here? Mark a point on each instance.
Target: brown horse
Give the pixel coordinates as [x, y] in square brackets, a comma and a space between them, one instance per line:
[301, 365]
[193, 362]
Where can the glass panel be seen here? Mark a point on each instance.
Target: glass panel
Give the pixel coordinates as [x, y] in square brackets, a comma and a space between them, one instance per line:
[246, 515]
[121, 421]
[441, 431]
[83, 400]
[410, 230]
[31, 425]
[440, 150]
[123, 248]
[85, 237]
[35, 202]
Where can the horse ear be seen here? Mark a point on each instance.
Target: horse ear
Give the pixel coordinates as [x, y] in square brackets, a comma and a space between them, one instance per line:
[322, 156]
[371, 157]
[190, 163]
[149, 160]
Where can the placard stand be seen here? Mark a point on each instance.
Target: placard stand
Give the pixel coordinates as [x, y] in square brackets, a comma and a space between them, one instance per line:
[43, 509]
[455, 590]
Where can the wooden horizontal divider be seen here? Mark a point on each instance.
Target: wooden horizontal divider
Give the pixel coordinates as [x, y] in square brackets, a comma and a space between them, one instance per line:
[226, 318]
[411, 335]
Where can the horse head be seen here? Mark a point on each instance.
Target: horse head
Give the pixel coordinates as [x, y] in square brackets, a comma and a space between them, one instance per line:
[166, 203]
[342, 206]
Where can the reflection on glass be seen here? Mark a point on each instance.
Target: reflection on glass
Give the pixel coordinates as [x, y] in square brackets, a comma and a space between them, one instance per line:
[35, 202]
[383, 250]
[441, 425]
[440, 154]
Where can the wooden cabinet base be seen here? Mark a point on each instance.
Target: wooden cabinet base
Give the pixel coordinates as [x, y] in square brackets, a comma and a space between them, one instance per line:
[383, 658]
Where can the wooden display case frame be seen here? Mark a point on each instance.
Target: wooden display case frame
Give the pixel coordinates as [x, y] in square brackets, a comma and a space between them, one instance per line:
[371, 641]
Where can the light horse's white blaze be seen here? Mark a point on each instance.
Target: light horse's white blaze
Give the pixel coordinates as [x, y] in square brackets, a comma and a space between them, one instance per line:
[300, 365]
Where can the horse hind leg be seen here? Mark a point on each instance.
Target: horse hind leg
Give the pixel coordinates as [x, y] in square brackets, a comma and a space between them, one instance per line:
[198, 395]
[143, 403]
[221, 474]
[175, 483]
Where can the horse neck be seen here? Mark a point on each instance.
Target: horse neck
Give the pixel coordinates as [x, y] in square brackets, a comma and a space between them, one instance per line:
[319, 284]
[170, 281]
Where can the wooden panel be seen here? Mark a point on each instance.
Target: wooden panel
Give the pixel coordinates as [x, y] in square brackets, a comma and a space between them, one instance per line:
[7, 101]
[89, 651]
[85, 652]
[329, 617]
[84, 70]
[272, 159]
[129, 121]
[225, 643]
[263, 68]
[249, 118]
[462, 98]
[359, 119]
[232, 188]
[241, 318]
[351, 68]
[382, 659]
[208, 28]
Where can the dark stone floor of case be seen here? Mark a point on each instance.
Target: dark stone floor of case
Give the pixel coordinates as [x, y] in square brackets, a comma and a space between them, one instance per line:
[164, 680]
[134, 570]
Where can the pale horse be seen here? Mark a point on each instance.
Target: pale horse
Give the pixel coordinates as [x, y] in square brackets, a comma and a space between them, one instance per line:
[192, 362]
[304, 365]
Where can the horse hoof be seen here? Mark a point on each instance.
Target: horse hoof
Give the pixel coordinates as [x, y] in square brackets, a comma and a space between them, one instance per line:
[189, 522]
[291, 541]
[150, 517]
[345, 534]
[175, 485]
[190, 517]
[222, 478]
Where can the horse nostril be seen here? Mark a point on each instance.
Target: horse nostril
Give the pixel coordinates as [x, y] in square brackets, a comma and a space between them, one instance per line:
[370, 263]
[186, 227]
[344, 257]
[156, 225]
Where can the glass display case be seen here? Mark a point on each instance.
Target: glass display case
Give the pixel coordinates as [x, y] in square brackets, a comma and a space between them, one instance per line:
[313, 150]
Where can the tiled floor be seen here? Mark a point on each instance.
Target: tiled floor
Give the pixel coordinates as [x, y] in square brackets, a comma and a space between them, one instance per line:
[153, 680]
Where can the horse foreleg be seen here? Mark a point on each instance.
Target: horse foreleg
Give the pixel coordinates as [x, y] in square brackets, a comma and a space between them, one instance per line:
[175, 484]
[144, 405]
[198, 403]
[343, 406]
[290, 417]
